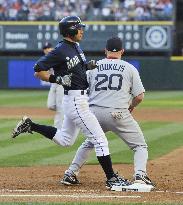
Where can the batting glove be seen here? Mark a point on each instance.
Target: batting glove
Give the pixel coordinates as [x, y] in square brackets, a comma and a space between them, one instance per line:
[65, 80]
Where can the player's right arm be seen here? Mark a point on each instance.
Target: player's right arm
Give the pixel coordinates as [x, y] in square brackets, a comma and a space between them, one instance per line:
[135, 101]
[137, 89]
[43, 75]
[44, 64]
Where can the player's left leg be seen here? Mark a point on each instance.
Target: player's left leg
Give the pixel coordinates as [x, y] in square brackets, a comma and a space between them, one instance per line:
[121, 122]
[68, 134]
[64, 137]
[81, 156]
[130, 132]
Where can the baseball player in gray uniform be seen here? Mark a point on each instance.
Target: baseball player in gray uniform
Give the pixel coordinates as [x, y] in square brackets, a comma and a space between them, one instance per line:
[55, 95]
[115, 90]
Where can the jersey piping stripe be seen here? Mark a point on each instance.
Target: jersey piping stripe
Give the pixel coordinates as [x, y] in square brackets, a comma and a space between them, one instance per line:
[85, 125]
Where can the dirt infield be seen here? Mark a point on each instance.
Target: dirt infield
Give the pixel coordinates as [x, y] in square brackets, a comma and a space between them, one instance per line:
[166, 115]
[41, 184]
[34, 183]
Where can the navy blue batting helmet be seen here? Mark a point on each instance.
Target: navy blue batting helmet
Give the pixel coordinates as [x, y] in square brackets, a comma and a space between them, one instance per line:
[70, 25]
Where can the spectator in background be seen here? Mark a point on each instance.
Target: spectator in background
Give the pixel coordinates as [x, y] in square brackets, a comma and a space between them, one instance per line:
[96, 9]
[89, 10]
[55, 95]
[168, 9]
[13, 11]
[2, 13]
[23, 13]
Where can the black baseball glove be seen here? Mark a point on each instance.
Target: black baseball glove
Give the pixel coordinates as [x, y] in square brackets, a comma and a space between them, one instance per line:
[92, 64]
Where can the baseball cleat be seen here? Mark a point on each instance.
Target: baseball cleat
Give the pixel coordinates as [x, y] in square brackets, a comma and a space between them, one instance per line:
[117, 181]
[143, 179]
[70, 180]
[23, 126]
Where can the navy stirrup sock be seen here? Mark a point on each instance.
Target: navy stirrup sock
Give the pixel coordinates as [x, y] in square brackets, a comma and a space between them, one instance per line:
[47, 131]
[105, 162]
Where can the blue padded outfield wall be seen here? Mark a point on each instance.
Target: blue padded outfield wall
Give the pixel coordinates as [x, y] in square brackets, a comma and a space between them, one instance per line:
[157, 73]
[21, 74]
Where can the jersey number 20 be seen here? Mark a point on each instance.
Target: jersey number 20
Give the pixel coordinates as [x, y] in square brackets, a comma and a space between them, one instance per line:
[102, 78]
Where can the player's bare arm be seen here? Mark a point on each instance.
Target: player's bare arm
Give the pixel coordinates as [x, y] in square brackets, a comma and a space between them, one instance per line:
[135, 101]
[43, 75]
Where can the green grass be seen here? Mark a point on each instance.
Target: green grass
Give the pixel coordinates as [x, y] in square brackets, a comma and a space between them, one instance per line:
[28, 150]
[163, 99]
[32, 150]
[37, 98]
[23, 98]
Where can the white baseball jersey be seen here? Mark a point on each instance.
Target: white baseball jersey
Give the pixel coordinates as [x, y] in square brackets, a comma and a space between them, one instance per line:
[114, 75]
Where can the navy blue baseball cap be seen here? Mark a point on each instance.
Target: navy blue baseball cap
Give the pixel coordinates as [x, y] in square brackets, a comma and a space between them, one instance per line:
[47, 45]
[114, 44]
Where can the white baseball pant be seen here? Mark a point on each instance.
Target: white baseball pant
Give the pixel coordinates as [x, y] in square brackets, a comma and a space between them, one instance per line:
[78, 116]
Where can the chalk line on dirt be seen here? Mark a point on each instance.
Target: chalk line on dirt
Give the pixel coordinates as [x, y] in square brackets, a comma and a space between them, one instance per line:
[90, 194]
[66, 196]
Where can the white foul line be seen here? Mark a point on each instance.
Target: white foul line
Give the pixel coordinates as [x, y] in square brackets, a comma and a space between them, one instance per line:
[171, 192]
[66, 196]
[79, 195]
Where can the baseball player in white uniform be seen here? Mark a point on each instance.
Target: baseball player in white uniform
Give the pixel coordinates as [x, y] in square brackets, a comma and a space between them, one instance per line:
[115, 90]
[55, 95]
[70, 66]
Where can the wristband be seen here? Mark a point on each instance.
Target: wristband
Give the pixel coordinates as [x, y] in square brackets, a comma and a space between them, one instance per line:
[52, 79]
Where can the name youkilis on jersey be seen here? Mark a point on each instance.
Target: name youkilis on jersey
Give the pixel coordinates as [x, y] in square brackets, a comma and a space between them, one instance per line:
[72, 62]
[109, 66]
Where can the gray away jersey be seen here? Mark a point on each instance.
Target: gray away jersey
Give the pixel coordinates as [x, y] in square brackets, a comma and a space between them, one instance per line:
[114, 83]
